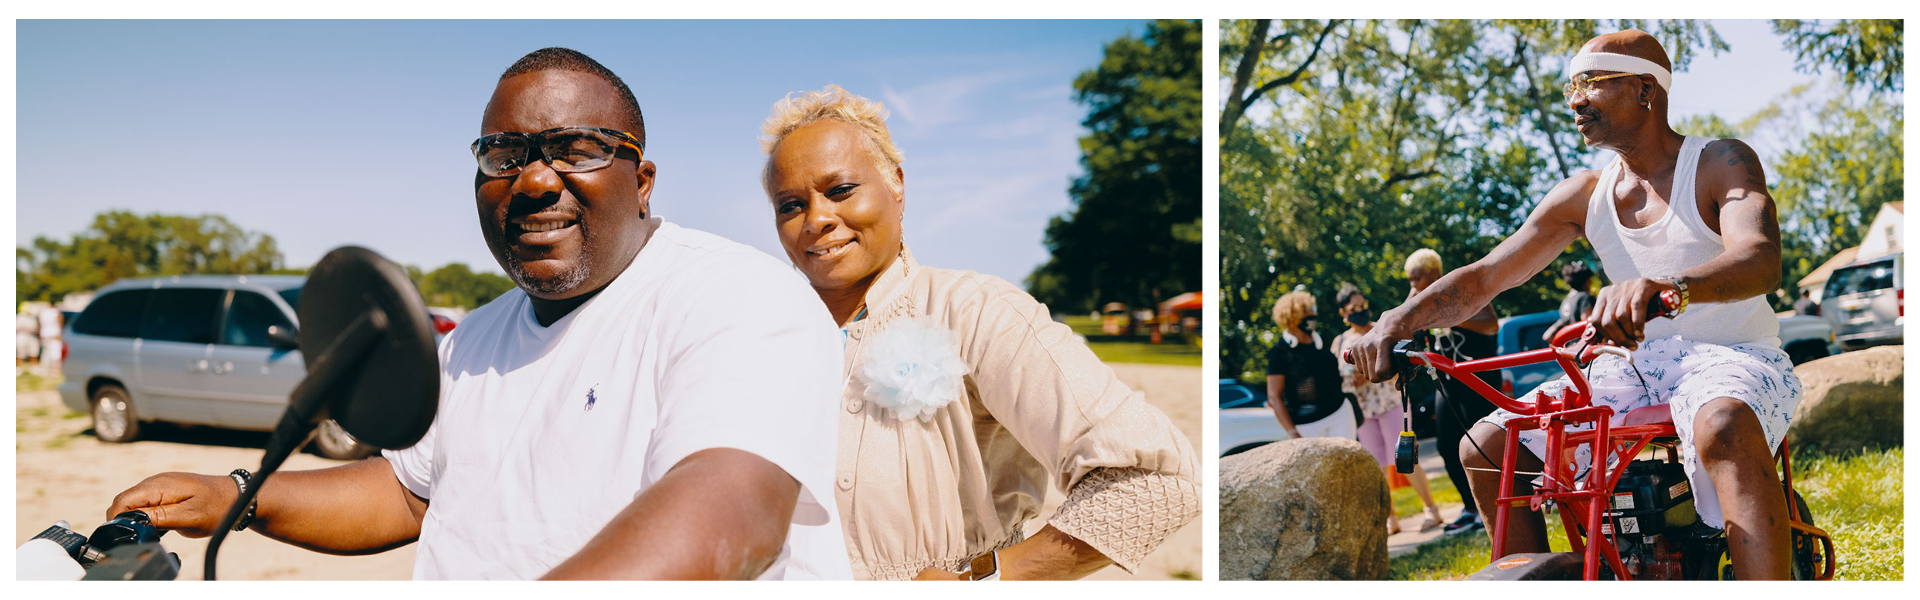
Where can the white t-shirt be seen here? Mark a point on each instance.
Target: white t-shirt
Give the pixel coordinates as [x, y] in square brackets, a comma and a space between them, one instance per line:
[544, 434]
[50, 322]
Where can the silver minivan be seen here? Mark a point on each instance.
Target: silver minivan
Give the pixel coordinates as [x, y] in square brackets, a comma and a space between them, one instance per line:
[213, 350]
[1866, 302]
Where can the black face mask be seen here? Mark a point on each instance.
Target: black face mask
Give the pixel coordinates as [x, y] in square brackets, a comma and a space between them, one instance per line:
[1360, 317]
[1306, 325]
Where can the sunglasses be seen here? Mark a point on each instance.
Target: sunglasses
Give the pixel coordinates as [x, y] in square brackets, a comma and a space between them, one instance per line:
[1582, 84]
[565, 149]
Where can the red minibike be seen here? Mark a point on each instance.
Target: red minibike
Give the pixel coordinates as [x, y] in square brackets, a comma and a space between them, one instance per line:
[1641, 507]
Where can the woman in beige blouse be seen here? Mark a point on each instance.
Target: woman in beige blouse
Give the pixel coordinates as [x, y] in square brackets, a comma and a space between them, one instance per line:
[964, 401]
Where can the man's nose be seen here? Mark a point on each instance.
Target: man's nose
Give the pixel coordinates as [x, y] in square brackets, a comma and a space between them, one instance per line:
[537, 180]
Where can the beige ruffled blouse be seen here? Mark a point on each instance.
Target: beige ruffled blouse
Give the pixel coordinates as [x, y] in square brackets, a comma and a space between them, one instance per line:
[1039, 410]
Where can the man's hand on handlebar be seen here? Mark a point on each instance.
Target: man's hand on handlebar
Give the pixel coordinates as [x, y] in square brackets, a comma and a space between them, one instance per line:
[184, 502]
[1372, 355]
[1621, 311]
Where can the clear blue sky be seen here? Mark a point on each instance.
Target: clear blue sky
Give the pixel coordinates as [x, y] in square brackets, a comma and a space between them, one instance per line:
[324, 133]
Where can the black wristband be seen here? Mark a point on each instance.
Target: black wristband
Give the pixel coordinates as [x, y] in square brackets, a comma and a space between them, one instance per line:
[240, 478]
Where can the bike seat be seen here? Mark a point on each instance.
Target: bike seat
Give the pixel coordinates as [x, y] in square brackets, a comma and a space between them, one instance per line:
[1657, 414]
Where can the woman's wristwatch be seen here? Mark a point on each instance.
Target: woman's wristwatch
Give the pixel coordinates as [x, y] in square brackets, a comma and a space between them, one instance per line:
[985, 567]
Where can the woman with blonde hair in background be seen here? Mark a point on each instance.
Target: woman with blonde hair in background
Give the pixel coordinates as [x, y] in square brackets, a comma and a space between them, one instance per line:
[1381, 417]
[1459, 406]
[964, 400]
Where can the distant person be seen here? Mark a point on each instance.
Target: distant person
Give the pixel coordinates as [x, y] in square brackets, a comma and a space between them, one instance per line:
[964, 403]
[51, 321]
[1805, 305]
[1382, 417]
[1459, 406]
[1578, 304]
[1303, 377]
[26, 335]
[1669, 214]
[649, 402]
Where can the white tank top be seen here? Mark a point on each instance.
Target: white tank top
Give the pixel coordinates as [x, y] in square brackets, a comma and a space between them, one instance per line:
[1679, 241]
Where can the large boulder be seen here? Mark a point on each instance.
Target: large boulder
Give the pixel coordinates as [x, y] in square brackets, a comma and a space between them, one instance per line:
[1306, 509]
[1851, 402]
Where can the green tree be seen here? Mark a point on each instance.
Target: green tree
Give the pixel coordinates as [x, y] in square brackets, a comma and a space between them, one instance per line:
[122, 244]
[1133, 234]
[458, 286]
[1865, 52]
[1831, 185]
[1346, 145]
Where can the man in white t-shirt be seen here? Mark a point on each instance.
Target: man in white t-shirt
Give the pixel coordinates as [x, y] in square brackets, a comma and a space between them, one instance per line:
[651, 402]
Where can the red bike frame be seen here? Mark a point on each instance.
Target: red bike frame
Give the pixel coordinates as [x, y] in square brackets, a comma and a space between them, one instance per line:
[1585, 499]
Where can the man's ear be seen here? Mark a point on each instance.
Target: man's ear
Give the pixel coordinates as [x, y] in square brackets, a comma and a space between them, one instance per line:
[644, 173]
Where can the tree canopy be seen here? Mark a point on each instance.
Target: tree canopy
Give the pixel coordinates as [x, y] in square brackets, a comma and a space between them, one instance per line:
[457, 285]
[121, 244]
[1133, 234]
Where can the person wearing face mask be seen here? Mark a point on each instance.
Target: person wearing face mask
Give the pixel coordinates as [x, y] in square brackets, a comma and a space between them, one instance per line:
[964, 401]
[1303, 378]
[1382, 419]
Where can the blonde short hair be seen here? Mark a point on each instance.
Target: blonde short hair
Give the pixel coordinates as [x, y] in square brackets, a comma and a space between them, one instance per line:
[1292, 308]
[837, 104]
[1424, 259]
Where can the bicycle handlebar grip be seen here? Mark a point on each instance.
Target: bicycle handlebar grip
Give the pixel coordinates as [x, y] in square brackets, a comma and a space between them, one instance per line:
[1406, 453]
[1665, 304]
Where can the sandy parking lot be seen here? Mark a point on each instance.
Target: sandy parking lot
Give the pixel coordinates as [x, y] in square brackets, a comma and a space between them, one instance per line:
[63, 472]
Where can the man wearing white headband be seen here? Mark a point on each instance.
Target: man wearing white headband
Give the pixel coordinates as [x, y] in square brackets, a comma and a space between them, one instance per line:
[1670, 213]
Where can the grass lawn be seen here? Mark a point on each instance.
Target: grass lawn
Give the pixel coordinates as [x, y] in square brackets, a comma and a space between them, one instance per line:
[1134, 349]
[1858, 499]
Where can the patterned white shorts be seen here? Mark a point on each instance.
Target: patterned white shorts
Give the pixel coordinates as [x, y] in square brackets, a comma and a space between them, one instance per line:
[1685, 375]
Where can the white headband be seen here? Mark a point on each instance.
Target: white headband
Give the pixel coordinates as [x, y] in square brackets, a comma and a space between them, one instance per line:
[1608, 61]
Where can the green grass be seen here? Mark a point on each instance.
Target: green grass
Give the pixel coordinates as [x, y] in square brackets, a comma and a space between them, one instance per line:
[29, 381]
[1457, 556]
[1407, 502]
[1858, 499]
[1134, 349]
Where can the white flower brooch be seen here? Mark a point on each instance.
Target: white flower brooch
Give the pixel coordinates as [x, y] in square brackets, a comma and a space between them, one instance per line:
[913, 368]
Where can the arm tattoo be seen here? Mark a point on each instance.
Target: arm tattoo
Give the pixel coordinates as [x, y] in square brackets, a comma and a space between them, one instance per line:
[1450, 305]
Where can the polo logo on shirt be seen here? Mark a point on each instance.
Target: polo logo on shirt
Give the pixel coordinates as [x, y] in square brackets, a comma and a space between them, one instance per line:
[590, 396]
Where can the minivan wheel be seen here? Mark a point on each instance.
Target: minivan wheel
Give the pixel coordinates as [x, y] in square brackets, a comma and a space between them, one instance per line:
[113, 420]
[331, 441]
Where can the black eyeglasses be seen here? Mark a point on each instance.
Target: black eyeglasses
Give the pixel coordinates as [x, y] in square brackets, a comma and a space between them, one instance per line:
[566, 149]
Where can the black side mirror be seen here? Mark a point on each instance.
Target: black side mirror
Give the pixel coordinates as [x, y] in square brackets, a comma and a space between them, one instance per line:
[283, 337]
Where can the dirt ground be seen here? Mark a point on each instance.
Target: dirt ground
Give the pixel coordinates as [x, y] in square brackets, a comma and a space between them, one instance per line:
[63, 472]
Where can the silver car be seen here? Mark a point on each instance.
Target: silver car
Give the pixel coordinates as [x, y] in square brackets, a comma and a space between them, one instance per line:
[1866, 302]
[202, 350]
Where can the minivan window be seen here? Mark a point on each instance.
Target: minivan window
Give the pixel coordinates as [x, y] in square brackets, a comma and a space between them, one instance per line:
[116, 314]
[292, 296]
[182, 315]
[248, 319]
[1862, 278]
